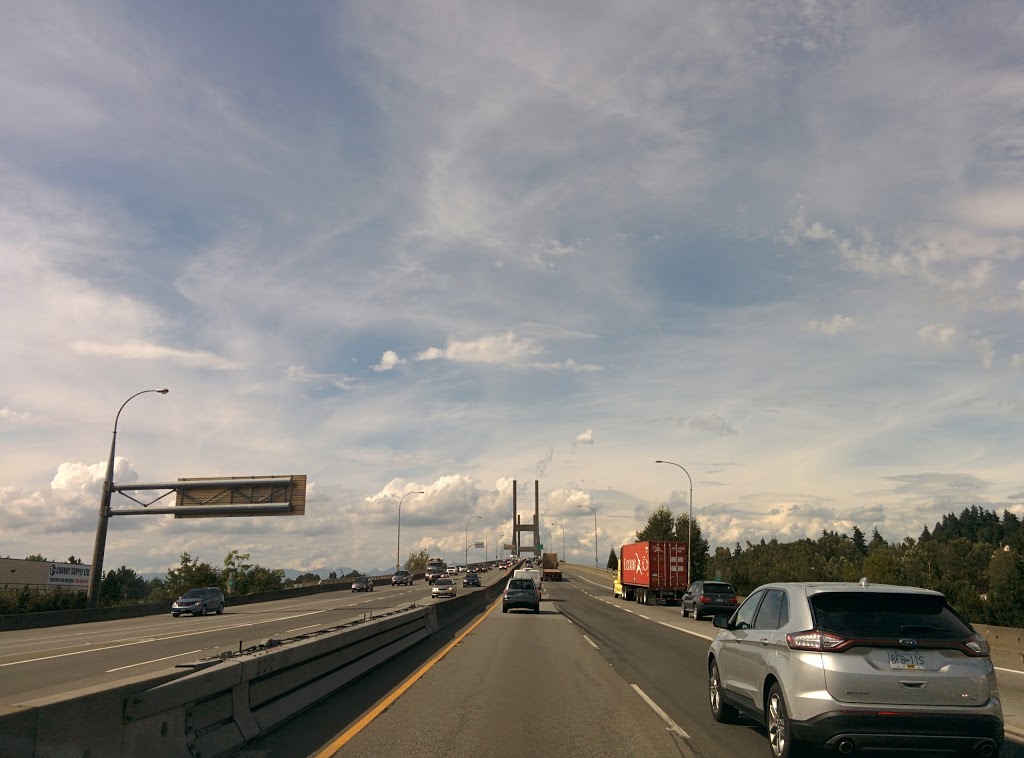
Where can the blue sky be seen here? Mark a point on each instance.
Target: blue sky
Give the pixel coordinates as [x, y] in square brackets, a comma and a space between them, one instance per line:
[442, 246]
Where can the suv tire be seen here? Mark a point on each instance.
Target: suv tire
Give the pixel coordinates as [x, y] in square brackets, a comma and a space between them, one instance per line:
[202, 610]
[776, 718]
[721, 711]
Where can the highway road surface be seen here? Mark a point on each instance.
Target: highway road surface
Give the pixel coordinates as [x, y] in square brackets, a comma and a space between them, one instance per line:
[589, 676]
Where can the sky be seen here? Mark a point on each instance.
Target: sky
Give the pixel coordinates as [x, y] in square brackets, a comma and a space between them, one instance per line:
[440, 247]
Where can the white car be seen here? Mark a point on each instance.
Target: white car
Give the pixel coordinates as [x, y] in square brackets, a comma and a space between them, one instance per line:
[452, 570]
[443, 587]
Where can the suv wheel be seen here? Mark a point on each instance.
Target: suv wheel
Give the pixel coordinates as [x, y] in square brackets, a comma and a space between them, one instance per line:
[202, 610]
[221, 609]
[721, 711]
[776, 716]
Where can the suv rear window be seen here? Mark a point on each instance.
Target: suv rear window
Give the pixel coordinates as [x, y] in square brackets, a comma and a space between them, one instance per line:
[718, 588]
[521, 584]
[887, 614]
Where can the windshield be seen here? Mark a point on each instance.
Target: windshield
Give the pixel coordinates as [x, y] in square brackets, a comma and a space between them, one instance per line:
[195, 593]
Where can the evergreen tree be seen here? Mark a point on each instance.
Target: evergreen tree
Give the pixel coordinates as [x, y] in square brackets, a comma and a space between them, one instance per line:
[613, 560]
[859, 541]
[122, 585]
[660, 526]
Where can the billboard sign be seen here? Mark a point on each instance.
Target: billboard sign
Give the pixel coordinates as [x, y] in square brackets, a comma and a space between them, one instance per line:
[68, 575]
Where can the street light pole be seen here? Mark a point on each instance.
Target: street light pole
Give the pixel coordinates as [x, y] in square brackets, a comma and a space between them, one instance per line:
[595, 531]
[398, 551]
[467, 538]
[100, 546]
[563, 538]
[689, 523]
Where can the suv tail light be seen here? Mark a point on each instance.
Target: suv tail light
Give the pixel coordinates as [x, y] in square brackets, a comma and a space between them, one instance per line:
[977, 646]
[821, 642]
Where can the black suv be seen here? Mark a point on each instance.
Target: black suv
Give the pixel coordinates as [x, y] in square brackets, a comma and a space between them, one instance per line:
[199, 601]
[709, 599]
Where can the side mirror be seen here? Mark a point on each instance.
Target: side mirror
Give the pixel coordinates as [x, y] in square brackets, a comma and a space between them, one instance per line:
[721, 621]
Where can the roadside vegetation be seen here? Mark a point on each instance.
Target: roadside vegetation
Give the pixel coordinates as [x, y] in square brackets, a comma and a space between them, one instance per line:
[975, 558]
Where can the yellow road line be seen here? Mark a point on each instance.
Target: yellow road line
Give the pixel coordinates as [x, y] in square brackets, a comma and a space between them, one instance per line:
[391, 697]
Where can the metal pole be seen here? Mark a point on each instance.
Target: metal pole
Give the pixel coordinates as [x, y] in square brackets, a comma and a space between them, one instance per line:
[100, 545]
[689, 523]
[467, 538]
[398, 551]
[595, 531]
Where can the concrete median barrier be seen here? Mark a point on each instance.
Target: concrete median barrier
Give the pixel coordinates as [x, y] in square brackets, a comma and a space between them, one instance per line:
[209, 707]
[213, 706]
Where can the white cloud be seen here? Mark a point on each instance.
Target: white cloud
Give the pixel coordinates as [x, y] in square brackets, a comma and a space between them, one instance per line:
[714, 424]
[837, 325]
[388, 361]
[985, 349]
[994, 209]
[585, 438]
[937, 334]
[147, 351]
[14, 417]
[507, 348]
[302, 375]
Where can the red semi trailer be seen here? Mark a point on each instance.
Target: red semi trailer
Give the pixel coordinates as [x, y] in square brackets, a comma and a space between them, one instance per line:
[652, 572]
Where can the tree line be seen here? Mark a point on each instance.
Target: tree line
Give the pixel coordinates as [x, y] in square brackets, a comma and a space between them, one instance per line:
[975, 558]
[124, 586]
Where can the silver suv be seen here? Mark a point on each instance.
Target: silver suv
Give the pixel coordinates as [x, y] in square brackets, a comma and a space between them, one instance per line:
[851, 666]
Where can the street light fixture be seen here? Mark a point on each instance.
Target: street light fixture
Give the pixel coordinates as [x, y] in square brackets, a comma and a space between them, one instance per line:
[563, 538]
[595, 531]
[467, 538]
[398, 551]
[689, 521]
[99, 547]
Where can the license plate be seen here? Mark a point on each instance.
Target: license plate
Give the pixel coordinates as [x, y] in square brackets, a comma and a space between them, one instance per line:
[902, 660]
